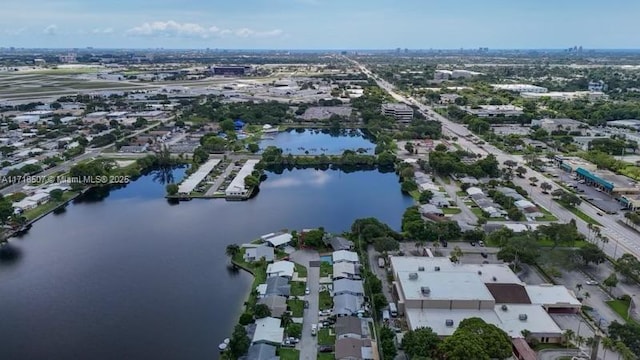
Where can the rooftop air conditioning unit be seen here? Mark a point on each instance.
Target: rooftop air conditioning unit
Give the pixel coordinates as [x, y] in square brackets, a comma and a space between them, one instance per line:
[504, 307]
[413, 276]
[437, 268]
[421, 268]
[522, 317]
[495, 278]
[448, 322]
[425, 290]
[479, 272]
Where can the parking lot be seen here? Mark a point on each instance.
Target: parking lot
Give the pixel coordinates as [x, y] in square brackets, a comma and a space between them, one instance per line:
[588, 193]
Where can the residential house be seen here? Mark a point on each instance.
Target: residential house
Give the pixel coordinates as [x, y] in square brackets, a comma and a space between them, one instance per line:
[347, 305]
[259, 252]
[281, 268]
[277, 304]
[278, 285]
[351, 327]
[262, 352]
[345, 256]
[277, 239]
[346, 270]
[339, 243]
[354, 349]
[268, 331]
[348, 286]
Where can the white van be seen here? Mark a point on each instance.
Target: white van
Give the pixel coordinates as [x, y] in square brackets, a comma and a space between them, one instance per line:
[314, 329]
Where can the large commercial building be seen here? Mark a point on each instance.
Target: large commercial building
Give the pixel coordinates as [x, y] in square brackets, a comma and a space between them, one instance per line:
[231, 70]
[400, 112]
[493, 110]
[436, 293]
[568, 125]
[520, 88]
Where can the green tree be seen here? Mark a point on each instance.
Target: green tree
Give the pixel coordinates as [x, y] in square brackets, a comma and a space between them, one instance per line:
[387, 343]
[521, 171]
[421, 342]
[227, 125]
[261, 311]
[379, 301]
[239, 342]
[386, 244]
[172, 189]
[246, 318]
[253, 147]
[56, 195]
[545, 186]
[425, 197]
[611, 281]
[314, 238]
[628, 266]
[251, 181]
[408, 186]
[294, 330]
[232, 250]
[569, 200]
[409, 147]
[591, 253]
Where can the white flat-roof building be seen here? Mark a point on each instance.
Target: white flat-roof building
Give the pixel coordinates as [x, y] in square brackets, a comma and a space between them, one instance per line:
[436, 293]
[276, 240]
[237, 188]
[194, 179]
[494, 110]
[400, 112]
[520, 88]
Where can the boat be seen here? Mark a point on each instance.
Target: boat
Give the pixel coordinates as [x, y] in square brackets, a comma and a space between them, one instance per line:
[222, 347]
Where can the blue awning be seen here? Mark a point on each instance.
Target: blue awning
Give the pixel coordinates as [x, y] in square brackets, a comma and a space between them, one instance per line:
[594, 178]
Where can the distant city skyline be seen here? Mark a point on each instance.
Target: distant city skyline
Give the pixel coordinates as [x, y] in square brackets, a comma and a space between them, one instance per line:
[320, 24]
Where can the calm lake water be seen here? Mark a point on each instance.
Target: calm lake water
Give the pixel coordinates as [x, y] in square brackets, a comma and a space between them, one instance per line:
[133, 277]
[316, 142]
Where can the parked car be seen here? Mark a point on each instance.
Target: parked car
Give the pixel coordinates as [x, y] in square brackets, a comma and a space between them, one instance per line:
[444, 243]
[481, 243]
[306, 304]
[599, 214]
[591, 282]
[325, 348]
[484, 255]
[314, 329]
[473, 244]
[306, 291]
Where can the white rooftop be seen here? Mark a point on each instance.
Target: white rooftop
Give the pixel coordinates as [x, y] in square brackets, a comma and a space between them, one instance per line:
[485, 272]
[537, 320]
[280, 268]
[277, 240]
[268, 330]
[548, 294]
[344, 255]
[443, 286]
[194, 179]
[436, 319]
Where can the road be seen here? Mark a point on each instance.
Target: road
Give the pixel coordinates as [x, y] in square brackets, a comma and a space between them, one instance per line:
[619, 236]
[65, 166]
[308, 344]
[219, 180]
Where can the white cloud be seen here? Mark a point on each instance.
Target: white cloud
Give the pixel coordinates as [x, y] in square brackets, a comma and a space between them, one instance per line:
[102, 31]
[50, 30]
[175, 29]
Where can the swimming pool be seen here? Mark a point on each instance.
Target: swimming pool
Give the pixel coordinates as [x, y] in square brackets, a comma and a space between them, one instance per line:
[327, 258]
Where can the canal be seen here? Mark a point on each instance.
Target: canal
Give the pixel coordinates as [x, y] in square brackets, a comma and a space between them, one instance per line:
[129, 276]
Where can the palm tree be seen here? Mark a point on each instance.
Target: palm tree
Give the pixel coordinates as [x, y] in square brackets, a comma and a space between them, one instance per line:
[232, 250]
[607, 344]
[580, 340]
[590, 228]
[604, 240]
[568, 336]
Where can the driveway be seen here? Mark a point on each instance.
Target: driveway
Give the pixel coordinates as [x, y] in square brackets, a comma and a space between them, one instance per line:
[308, 344]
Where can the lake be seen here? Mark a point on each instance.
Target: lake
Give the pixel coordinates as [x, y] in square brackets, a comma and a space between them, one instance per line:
[316, 142]
[130, 276]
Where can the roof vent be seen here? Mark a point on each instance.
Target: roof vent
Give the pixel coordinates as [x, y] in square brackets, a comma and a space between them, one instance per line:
[504, 307]
[448, 322]
[495, 278]
[421, 268]
[479, 272]
[522, 317]
[425, 290]
[437, 268]
[413, 276]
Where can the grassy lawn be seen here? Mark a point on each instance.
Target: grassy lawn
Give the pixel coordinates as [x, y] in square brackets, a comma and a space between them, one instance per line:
[259, 275]
[451, 211]
[325, 269]
[49, 206]
[326, 356]
[326, 301]
[298, 288]
[324, 338]
[297, 307]
[549, 243]
[415, 194]
[288, 354]
[478, 212]
[301, 270]
[577, 212]
[547, 215]
[621, 308]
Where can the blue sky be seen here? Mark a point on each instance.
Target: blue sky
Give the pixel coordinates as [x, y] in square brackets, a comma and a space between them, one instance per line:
[321, 24]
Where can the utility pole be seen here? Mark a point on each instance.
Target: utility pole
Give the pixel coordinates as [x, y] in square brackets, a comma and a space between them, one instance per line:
[596, 344]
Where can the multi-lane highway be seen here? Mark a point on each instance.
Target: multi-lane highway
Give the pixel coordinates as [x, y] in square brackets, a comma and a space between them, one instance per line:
[621, 239]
